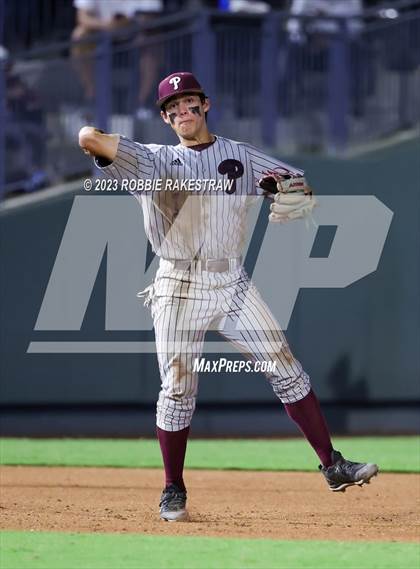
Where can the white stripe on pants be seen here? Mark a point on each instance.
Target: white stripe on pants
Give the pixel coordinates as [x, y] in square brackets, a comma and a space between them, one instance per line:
[185, 305]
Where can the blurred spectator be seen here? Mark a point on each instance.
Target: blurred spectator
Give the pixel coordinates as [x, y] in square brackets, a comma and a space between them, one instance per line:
[350, 9]
[108, 16]
[234, 6]
[248, 6]
[304, 83]
[25, 131]
[35, 22]
[150, 58]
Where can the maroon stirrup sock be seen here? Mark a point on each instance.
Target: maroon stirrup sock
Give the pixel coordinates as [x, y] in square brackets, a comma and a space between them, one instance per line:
[173, 445]
[308, 416]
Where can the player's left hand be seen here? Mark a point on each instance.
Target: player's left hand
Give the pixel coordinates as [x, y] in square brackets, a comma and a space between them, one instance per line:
[291, 206]
[293, 197]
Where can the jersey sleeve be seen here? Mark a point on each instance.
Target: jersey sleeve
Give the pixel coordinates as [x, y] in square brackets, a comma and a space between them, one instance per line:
[261, 164]
[132, 161]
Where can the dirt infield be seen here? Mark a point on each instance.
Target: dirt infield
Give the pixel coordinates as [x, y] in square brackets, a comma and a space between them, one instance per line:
[229, 504]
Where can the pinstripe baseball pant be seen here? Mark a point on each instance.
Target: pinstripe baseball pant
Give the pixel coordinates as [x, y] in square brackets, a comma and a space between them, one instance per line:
[186, 304]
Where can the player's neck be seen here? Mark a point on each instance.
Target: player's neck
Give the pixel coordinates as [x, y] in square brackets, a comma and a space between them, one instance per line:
[202, 138]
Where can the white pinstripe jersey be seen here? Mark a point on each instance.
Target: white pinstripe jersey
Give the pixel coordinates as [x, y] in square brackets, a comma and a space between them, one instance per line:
[210, 224]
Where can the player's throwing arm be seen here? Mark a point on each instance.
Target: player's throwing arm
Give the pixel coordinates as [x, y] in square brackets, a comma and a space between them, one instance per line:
[94, 142]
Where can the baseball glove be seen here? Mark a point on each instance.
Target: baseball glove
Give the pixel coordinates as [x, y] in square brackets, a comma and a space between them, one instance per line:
[293, 197]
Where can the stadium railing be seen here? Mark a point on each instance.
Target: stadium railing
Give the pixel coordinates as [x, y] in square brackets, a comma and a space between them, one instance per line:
[316, 93]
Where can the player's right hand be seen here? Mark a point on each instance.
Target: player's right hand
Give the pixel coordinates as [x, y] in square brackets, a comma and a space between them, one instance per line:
[96, 142]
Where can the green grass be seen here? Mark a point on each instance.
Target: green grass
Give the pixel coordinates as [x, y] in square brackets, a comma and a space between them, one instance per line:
[393, 454]
[33, 550]
[44, 550]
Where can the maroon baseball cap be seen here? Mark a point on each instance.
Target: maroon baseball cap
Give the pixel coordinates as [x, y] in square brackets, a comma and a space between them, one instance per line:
[176, 84]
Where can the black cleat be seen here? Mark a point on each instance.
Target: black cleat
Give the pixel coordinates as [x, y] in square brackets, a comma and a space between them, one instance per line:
[343, 473]
[173, 504]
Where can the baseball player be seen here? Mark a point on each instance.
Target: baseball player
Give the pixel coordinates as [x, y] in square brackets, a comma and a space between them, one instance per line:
[195, 219]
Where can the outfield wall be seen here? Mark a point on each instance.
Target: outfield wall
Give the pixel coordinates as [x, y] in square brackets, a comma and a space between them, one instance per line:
[360, 344]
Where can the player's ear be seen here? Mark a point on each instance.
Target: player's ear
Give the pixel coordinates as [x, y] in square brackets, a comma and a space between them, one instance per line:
[165, 117]
[206, 105]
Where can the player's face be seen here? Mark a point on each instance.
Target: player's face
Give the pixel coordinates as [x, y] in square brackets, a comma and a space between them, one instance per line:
[186, 115]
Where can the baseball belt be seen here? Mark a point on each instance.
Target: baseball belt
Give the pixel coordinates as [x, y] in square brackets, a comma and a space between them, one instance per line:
[210, 265]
